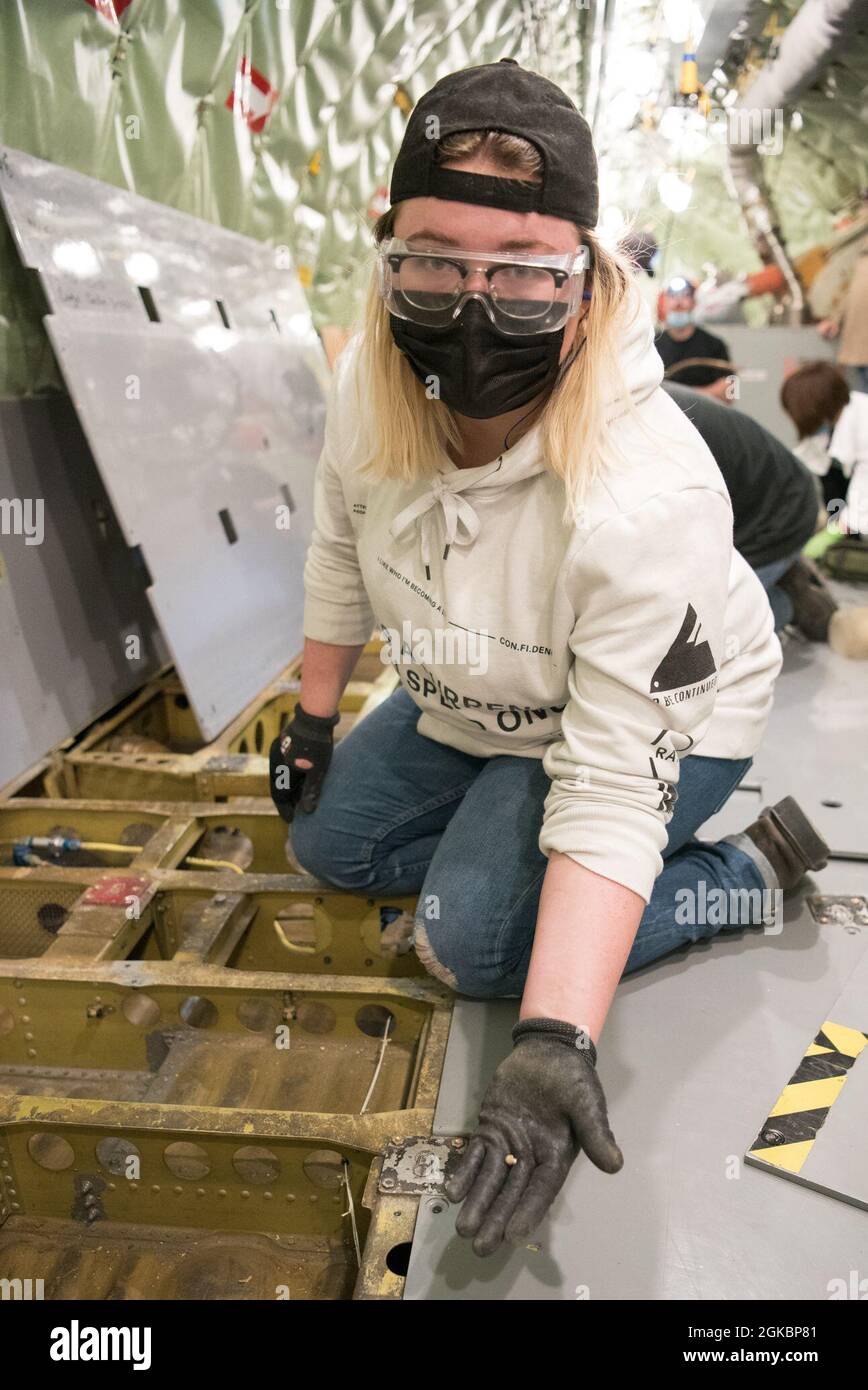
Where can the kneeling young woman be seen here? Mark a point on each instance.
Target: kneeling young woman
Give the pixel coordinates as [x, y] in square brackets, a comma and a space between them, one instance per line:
[586, 664]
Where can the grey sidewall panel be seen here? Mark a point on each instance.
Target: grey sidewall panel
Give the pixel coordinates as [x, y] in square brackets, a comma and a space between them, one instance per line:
[761, 356]
[192, 361]
[64, 635]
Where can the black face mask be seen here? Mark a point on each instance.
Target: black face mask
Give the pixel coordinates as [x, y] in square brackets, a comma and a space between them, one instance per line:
[478, 371]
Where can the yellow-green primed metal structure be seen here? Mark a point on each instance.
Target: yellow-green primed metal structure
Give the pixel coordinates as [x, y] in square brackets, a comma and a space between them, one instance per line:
[200, 1067]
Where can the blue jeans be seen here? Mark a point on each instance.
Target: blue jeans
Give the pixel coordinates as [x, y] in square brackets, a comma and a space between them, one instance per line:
[781, 603]
[400, 814]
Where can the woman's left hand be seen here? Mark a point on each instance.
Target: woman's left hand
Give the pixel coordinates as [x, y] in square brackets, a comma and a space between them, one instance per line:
[543, 1105]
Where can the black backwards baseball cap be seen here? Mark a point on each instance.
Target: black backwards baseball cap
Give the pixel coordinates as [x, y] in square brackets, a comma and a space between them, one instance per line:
[501, 96]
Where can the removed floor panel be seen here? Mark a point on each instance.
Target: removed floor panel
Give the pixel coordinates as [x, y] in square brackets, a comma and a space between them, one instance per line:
[192, 361]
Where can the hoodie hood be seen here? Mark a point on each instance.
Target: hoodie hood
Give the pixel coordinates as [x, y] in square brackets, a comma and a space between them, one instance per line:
[449, 495]
[640, 363]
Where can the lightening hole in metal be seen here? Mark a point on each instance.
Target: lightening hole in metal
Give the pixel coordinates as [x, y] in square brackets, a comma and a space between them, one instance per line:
[140, 1010]
[114, 1154]
[371, 1019]
[51, 917]
[258, 1015]
[324, 1168]
[255, 1164]
[186, 1160]
[51, 1151]
[398, 1259]
[315, 1017]
[197, 1012]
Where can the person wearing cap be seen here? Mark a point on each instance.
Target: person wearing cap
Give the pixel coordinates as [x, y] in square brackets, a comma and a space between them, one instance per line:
[586, 664]
[691, 355]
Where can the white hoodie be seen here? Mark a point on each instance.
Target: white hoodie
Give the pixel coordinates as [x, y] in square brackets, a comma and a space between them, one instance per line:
[849, 447]
[609, 649]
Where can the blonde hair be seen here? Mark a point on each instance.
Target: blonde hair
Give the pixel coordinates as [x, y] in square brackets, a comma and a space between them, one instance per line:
[405, 433]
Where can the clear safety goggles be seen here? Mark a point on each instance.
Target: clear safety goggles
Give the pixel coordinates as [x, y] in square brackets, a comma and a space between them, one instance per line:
[521, 293]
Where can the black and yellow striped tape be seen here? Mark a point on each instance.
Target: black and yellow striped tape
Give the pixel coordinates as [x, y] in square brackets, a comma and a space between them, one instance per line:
[800, 1111]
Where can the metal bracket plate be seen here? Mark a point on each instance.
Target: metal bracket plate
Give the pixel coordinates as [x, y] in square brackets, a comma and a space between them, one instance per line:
[114, 891]
[842, 911]
[417, 1166]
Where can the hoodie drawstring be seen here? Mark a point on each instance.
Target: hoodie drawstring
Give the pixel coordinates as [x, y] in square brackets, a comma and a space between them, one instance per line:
[460, 520]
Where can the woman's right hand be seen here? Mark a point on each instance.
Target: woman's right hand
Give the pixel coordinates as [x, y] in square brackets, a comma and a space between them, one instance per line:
[299, 760]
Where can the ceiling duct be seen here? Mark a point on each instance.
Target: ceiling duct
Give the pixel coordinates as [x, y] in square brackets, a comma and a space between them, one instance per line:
[732, 27]
[808, 45]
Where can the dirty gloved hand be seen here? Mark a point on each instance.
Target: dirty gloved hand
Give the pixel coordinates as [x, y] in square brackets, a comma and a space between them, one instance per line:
[543, 1105]
[307, 739]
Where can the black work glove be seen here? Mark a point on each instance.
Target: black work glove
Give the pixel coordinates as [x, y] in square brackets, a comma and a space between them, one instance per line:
[309, 737]
[543, 1105]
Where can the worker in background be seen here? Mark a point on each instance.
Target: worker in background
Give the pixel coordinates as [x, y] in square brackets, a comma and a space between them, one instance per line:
[832, 425]
[776, 508]
[775, 513]
[691, 355]
[586, 663]
[851, 325]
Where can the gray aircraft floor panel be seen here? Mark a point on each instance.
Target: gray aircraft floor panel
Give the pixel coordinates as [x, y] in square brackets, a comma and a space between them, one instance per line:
[816, 746]
[694, 1048]
[736, 814]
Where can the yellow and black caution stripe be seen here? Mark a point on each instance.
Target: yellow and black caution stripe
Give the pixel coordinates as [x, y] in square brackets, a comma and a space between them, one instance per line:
[800, 1111]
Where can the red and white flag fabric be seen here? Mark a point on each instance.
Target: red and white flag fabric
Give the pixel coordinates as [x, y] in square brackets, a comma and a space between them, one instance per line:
[110, 9]
[253, 95]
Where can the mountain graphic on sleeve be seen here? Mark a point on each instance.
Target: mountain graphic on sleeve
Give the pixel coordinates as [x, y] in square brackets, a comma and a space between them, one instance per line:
[688, 660]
